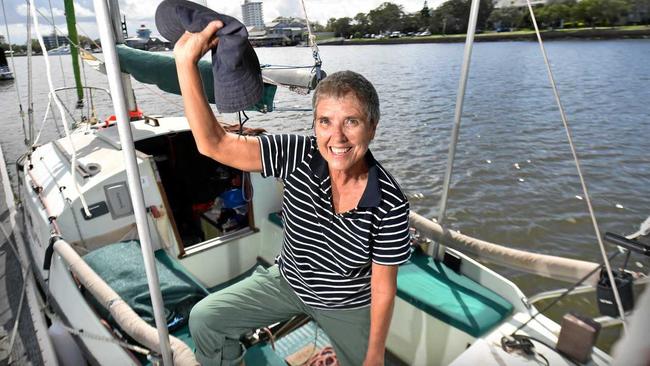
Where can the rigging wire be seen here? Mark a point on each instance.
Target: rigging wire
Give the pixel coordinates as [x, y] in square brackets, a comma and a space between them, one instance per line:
[56, 41]
[45, 115]
[30, 97]
[13, 67]
[25, 270]
[585, 192]
[48, 70]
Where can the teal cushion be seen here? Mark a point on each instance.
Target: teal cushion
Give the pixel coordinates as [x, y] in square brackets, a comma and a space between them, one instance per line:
[276, 218]
[450, 297]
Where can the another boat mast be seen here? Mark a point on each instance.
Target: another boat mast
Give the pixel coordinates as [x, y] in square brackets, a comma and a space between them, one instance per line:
[437, 249]
[107, 36]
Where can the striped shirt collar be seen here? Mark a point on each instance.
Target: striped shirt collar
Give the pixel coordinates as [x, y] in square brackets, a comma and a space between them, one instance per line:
[371, 195]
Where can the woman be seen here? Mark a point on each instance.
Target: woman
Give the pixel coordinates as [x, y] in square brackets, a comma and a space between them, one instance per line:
[345, 221]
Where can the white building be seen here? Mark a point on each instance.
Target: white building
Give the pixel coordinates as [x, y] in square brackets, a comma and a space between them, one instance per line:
[252, 14]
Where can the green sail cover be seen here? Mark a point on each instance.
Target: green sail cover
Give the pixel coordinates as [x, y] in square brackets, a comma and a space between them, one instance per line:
[160, 69]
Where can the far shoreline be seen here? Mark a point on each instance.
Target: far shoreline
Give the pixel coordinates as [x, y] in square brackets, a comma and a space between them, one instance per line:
[598, 33]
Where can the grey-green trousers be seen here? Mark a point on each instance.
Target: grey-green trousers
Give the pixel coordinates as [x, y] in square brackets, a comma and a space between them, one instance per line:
[264, 298]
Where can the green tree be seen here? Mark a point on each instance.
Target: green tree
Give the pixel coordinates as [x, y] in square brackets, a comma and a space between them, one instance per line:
[425, 12]
[424, 16]
[361, 25]
[86, 42]
[639, 11]
[600, 12]
[385, 18]
[36, 47]
[510, 18]
[411, 23]
[341, 27]
[452, 15]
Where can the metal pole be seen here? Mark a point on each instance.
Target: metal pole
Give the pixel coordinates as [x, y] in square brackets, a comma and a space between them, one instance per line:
[469, 41]
[114, 11]
[133, 175]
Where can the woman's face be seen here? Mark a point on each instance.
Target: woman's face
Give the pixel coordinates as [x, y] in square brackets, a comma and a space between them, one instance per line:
[343, 133]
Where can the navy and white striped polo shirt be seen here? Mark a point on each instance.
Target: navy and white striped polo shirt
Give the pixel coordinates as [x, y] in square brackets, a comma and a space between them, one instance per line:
[326, 257]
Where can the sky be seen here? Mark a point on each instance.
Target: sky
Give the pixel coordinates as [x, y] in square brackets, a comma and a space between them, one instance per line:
[142, 12]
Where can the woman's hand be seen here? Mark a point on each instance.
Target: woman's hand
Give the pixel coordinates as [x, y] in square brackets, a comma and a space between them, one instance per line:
[192, 46]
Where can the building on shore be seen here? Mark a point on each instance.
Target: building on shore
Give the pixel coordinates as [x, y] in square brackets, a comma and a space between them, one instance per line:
[281, 31]
[252, 14]
[53, 41]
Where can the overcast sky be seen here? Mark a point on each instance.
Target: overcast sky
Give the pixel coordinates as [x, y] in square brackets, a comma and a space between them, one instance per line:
[142, 12]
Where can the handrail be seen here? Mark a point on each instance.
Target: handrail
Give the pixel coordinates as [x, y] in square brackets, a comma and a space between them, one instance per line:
[559, 268]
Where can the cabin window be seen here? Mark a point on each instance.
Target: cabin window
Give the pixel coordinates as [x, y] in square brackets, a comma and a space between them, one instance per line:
[208, 199]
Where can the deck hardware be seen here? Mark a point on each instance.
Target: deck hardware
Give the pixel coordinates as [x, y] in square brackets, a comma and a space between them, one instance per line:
[151, 121]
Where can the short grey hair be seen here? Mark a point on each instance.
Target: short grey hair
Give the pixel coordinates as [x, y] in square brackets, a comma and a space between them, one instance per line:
[340, 83]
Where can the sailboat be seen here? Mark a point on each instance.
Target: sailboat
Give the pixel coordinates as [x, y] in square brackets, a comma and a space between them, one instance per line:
[124, 236]
[5, 71]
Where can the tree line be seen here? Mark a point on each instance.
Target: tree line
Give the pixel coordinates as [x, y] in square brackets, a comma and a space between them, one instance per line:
[452, 17]
[36, 47]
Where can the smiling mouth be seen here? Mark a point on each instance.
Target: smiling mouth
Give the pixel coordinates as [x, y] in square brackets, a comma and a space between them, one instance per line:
[339, 150]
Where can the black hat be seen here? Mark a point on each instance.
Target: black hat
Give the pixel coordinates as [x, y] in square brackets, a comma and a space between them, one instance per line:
[235, 67]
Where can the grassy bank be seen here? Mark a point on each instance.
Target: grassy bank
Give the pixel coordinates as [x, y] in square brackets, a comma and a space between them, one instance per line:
[521, 35]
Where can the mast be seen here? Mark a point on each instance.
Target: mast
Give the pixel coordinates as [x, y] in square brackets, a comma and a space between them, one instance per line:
[74, 52]
[107, 34]
[437, 249]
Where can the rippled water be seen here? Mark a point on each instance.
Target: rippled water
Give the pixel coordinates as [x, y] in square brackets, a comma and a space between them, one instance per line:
[510, 120]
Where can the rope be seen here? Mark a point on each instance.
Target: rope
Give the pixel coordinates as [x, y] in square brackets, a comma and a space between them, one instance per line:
[585, 192]
[312, 42]
[325, 357]
[47, 112]
[13, 67]
[60, 107]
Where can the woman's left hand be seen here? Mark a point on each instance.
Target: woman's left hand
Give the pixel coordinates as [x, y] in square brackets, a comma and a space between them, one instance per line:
[192, 46]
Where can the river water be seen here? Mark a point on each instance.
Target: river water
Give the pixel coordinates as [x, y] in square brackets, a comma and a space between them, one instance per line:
[515, 181]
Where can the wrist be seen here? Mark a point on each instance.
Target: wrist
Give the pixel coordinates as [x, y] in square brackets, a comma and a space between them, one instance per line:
[373, 359]
[185, 63]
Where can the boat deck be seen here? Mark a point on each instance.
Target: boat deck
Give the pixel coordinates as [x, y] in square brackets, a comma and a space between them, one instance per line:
[25, 350]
